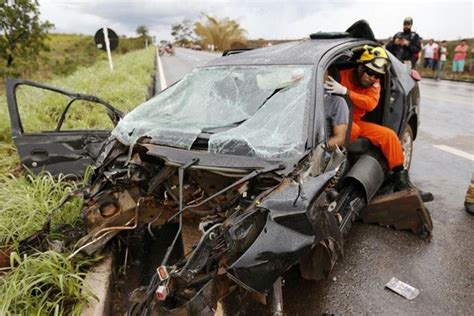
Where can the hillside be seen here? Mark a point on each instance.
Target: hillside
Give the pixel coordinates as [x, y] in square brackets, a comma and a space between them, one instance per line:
[67, 53]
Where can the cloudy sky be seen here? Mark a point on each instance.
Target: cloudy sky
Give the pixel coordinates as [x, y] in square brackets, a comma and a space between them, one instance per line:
[269, 19]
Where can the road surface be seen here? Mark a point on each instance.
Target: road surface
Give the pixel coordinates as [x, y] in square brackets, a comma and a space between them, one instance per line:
[442, 269]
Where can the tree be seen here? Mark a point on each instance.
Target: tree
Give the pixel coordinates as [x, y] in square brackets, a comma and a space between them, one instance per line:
[23, 36]
[142, 31]
[182, 32]
[220, 33]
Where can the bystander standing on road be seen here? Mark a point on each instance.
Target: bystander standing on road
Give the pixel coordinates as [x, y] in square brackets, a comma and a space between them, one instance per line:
[429, 54]
[443, 53]
[460, 53]
[435, 57]
[406, 45]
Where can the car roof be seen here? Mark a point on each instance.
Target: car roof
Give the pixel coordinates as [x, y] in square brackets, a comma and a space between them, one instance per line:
[304, 52]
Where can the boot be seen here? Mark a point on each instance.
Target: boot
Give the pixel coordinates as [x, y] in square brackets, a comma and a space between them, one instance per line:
[402, 182]
[469, 207]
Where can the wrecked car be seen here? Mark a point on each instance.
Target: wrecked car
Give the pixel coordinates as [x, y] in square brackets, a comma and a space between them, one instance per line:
[235, 153]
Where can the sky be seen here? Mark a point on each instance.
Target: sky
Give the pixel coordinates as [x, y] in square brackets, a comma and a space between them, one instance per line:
[268, 19]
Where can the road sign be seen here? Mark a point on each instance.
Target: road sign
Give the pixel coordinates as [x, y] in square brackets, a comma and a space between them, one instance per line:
[100, 39]
[106, 39]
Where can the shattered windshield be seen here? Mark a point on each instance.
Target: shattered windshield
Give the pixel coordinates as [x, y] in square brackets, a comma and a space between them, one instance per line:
[251, 111]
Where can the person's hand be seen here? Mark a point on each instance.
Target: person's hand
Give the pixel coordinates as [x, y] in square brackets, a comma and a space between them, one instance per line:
[398, 41]
[334, 87]
[405, 42]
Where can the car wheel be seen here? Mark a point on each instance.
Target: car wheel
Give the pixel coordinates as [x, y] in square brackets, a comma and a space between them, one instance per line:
[407, 146]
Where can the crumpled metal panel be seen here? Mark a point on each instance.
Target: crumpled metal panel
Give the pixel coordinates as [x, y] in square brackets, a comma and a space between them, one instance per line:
[273, 252]
[286, 197]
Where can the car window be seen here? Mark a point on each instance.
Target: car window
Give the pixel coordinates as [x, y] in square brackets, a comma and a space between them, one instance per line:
[40, 111]
[260, 108]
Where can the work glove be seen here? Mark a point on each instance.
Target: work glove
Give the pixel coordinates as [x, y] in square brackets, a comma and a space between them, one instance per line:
[334, 87]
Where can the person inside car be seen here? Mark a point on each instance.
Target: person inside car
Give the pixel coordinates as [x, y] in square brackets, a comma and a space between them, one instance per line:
[337, 118]
[362, 86]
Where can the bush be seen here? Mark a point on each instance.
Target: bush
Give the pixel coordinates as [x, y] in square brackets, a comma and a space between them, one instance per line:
[44, 284]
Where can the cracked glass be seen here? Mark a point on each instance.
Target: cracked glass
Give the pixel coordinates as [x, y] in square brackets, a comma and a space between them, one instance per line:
[250, 111]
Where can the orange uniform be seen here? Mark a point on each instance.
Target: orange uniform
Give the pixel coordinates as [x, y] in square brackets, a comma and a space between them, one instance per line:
[365, 100]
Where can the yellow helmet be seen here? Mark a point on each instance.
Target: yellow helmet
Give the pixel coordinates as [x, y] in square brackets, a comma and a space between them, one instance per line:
[375, 58]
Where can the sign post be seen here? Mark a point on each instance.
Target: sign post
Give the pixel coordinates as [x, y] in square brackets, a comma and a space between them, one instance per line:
[106, 39]
[107, 45]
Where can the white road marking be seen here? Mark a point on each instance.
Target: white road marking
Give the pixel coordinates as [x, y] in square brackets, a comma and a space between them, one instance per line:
[455, 151]
[163, 83]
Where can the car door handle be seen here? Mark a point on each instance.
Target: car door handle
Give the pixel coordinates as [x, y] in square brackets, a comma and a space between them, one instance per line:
[39, 155]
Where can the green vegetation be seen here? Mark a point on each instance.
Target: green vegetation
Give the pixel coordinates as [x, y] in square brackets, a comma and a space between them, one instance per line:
[66, 54]
[44, 284]
[28, 200]
[48, 283]
[23, 35]
[182, 32]
[223, 34]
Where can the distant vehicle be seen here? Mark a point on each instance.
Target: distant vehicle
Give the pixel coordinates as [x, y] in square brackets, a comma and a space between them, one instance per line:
[169, 49]
[196, 47]
[236, 147]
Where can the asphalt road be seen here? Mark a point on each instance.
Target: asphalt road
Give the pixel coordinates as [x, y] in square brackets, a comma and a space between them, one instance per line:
[443, 268]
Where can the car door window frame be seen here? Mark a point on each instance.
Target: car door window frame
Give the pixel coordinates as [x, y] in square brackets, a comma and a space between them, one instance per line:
[15, 117]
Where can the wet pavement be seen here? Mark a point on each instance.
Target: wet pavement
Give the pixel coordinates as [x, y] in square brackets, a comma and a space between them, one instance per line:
[443, 268]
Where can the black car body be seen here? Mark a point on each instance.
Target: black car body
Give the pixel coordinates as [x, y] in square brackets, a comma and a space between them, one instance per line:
[259, 183]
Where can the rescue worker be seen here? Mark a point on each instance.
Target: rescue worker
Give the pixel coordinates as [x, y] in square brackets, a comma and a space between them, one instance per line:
[362, 86]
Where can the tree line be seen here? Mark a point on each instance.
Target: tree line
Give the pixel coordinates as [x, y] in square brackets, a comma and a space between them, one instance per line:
[24, 39]
[28, 49]
[222, 33]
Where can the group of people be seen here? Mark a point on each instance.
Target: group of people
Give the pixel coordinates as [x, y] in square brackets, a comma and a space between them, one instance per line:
[407, 46]
[435, 56]
[361, 85]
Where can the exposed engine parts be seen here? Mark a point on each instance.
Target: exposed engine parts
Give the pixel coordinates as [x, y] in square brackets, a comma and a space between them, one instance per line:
[235, 224]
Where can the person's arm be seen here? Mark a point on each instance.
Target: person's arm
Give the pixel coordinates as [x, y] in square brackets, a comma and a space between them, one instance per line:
[340, 122]
[339, 137]
[414, 45]
[391, 47]
[366, 101]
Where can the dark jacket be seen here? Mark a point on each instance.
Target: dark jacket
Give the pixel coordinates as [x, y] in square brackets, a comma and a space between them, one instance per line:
[405, 52]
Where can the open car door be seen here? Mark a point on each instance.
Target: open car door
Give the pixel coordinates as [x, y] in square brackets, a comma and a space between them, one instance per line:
[56, 130]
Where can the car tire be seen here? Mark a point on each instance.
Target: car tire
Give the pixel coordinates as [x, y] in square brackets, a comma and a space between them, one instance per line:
[407, 146]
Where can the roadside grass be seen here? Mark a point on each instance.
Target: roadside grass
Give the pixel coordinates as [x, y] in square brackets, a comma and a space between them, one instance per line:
[44, 284]
[66, 54]
[27, 202]
[48, 283]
